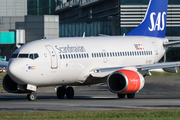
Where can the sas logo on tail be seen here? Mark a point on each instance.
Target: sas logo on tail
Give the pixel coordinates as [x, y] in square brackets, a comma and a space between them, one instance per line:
[156, 25]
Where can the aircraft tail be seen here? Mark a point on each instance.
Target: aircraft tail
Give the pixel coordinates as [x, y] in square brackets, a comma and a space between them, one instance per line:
[154, 23]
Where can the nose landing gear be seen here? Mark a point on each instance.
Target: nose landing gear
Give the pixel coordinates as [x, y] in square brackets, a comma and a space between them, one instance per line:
[32, 96]
[61, 92]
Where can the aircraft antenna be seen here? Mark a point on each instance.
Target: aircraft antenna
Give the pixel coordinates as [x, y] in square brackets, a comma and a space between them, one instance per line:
[84, 34]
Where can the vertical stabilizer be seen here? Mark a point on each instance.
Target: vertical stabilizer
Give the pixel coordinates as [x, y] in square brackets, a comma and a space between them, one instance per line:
[154, 23]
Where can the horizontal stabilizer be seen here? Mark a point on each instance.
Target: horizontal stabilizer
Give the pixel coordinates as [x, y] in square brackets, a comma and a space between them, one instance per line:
[166, 44]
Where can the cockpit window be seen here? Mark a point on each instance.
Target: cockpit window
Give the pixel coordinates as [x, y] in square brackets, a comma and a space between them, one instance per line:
[36, 55]
[23, 56]
[14, 55]
[33, 56]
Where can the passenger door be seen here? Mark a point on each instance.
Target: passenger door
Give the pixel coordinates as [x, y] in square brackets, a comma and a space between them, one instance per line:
[54, 60]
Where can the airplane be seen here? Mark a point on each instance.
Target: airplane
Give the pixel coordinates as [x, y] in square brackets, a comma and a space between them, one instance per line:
[121, 62]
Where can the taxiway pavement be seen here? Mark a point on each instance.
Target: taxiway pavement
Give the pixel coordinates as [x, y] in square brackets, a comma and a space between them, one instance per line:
[158, 93]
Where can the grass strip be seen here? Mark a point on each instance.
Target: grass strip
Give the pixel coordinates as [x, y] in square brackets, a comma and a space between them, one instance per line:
[164, 73]
[94, 115]
[1, 88]
[2, 75]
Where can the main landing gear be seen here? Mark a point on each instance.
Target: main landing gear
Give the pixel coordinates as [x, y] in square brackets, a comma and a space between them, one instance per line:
[62, 91]
[129, 95]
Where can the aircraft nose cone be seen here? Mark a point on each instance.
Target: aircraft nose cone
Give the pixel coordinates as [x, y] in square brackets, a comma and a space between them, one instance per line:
[14, 70]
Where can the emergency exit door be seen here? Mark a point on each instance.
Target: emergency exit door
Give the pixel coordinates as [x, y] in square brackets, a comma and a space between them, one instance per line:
[54, 60]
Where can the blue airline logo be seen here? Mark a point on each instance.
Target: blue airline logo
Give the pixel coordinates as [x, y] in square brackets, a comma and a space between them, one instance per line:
[157, 25]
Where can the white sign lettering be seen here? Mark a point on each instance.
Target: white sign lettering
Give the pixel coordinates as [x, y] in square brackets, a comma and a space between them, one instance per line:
[157, 24]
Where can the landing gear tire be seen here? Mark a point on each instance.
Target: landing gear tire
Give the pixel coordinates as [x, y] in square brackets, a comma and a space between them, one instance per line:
[61, 92]
[121, 96]
[131, 95]
[32, 96]
[70, 93]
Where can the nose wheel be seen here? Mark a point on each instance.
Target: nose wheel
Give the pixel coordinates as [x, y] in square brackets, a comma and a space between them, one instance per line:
[32, 96]
[62, 91]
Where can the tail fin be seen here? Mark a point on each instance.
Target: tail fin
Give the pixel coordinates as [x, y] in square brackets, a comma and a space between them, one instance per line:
[154, 23]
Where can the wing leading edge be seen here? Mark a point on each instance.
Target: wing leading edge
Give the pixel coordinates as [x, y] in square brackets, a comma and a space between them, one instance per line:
[107, 71]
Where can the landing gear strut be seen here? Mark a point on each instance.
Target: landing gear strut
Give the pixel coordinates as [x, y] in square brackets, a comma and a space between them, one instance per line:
[32, 96]
[62, 91]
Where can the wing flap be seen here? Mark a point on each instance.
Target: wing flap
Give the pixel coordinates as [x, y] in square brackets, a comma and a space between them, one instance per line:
[159, 65]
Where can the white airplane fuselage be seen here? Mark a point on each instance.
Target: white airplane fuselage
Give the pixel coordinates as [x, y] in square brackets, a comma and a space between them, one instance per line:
[67, 61]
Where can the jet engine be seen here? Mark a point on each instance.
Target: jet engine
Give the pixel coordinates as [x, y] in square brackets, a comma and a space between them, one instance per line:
[125, 81]
[10, 86]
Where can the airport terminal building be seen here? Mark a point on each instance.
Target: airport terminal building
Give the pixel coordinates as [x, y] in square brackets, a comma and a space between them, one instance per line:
[116, 17]
[71, 18]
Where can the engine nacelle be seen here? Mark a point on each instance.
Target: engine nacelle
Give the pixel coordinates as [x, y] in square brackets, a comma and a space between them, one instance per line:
[10, 86]
[125, 81]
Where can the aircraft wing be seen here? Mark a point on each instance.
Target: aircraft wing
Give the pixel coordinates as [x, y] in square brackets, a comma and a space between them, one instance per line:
[3, 64]
[159, 65]
[107, 71]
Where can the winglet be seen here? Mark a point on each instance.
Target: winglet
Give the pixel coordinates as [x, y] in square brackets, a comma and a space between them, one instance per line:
[154, 23]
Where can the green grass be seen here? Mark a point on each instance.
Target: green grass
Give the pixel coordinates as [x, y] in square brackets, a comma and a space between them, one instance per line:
[164, 73]
[94, 115]
[1, 88]
[2, 75]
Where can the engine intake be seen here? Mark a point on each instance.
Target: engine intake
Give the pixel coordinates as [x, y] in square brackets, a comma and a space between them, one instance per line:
[125, 81]
[10, 86]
